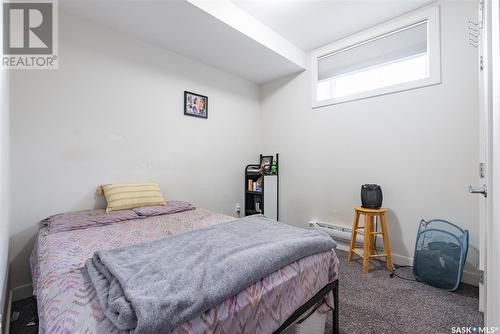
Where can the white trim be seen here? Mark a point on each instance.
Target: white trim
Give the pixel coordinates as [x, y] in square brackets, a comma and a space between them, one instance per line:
[429, 14]
[492, 314]
[22, 292]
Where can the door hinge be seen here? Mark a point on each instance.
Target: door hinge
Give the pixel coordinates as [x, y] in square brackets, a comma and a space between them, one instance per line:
[481, 276]
[481, 63]
[481, 15]
[482, 167]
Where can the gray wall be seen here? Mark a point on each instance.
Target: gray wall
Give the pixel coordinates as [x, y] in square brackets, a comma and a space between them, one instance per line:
[420, 145]
[4, 191]
[113, 112]
[4, 187]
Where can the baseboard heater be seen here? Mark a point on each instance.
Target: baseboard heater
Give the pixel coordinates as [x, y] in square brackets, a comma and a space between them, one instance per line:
[340, 232]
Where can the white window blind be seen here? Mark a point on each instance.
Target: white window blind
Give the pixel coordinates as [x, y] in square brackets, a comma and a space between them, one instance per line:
[403, 43]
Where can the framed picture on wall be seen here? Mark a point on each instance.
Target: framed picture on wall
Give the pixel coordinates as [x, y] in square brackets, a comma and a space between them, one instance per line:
[195, 105]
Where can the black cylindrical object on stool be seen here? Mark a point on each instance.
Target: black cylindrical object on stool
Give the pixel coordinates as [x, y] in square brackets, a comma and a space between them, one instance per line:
[371, 196]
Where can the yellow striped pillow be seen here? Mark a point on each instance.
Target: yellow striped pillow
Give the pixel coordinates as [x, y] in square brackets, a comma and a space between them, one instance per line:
[132, 195]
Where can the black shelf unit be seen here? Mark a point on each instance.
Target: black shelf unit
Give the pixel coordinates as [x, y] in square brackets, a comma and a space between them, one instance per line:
[254, 192]
[251, 197]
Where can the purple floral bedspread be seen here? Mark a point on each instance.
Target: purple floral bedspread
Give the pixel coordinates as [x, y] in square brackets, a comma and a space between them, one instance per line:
[67, 302]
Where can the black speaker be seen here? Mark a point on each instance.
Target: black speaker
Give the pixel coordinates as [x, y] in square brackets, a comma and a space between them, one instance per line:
[371, 196]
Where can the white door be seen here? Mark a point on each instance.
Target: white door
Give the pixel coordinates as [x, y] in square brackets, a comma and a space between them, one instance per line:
[489, 179]
[492, 314]
[484, 66]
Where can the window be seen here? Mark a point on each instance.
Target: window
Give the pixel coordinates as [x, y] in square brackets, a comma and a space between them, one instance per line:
[399, 55]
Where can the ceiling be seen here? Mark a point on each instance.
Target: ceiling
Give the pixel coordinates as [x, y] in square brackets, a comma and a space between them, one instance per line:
[310, 24]
[259, 40]
[187, 30]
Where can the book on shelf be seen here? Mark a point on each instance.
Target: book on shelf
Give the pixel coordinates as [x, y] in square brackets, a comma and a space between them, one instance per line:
[257, 185]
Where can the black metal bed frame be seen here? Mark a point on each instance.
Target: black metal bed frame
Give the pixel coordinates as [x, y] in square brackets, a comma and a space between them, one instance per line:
[330, 287]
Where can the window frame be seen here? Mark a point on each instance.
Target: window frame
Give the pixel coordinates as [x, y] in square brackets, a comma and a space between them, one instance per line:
[430, 14]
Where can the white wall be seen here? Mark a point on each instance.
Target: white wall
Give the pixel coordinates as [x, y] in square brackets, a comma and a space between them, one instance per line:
[421, 146]
[4, 186]
[113, 112]
[4, 191]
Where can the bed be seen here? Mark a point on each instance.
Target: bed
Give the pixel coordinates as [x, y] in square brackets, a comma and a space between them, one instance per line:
[67, 301]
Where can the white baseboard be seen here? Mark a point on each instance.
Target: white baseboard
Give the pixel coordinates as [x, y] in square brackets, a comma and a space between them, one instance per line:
[22, 292]
[470, 277]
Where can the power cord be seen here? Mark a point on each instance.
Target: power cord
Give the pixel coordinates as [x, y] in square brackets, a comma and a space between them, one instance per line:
[392, 273]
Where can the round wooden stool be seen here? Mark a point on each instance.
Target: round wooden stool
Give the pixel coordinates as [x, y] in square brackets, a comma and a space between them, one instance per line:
[368, 233]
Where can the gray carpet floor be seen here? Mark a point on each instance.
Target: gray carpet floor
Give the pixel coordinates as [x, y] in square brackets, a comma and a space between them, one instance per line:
[376, 303]
[369, 303]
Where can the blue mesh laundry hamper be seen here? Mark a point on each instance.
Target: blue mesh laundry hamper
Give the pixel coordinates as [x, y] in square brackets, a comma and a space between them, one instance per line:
[440, 253]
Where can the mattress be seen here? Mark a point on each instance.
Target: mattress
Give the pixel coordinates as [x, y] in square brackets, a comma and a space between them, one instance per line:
[67, 302]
